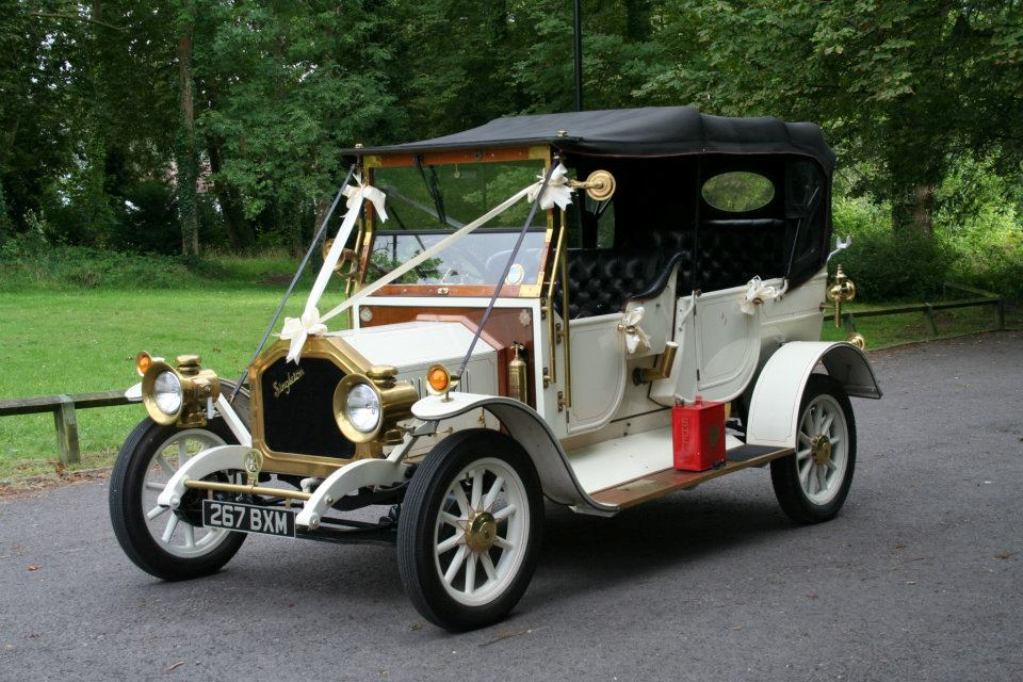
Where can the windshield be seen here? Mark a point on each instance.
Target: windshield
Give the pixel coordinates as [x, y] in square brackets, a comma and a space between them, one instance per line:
[426, 203]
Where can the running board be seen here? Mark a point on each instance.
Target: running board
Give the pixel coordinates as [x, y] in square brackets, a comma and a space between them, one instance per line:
[667, 481]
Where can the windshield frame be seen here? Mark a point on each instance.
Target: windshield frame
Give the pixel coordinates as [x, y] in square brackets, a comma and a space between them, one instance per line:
[367, 236]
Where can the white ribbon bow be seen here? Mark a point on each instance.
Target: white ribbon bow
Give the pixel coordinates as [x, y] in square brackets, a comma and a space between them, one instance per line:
[635, 336]
[558, 190]
[356, 193]
[299, 328]
[756, 293]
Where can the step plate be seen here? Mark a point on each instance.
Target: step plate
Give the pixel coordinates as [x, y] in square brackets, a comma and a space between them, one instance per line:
[667, 481]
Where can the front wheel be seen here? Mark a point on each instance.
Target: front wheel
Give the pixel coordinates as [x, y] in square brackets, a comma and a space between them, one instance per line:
[812, 484]
[469, 530]
[169, 544]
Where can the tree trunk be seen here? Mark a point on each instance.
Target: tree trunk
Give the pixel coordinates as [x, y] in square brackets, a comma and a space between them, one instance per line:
[913, 208]
[239, 230]
[187, 159]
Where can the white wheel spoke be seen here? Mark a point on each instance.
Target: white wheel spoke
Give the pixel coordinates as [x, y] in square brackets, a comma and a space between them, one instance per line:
[804, 473]
[182, 452]
[156, 511]
[168, 531]
[822, 479]
[831, 465]
[477, 489]
[153, 485]
[806, 425]
[461, 499]
[167, 468]
[450, 543]
[505, 512]
[503, 543]
[495, 490]
[488, 566]
[452, 520]
[802, 454]
[456, 563]
[804, 439]
[189, 535]
[835, 441]
[826, 426]
[470, 574]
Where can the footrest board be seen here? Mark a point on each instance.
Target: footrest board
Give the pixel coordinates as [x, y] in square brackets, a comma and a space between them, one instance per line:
[667, 481]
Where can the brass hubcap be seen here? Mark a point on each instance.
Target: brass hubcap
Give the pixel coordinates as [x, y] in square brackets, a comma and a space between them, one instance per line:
[820, 449]
[480, 531]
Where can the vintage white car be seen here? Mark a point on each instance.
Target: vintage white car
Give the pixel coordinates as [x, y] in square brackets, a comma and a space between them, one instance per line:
[529, 309]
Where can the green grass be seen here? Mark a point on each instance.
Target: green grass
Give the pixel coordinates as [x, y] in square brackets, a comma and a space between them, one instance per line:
[67, 342]
[52, 342]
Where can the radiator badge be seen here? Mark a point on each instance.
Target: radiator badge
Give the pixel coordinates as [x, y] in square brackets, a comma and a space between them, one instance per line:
[284, 387]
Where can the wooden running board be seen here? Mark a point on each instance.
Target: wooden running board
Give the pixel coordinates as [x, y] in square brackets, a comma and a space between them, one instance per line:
[661, 483]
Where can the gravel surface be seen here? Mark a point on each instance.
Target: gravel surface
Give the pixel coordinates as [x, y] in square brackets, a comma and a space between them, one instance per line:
[919, 577]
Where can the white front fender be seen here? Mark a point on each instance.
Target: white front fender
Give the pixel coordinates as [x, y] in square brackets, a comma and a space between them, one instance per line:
[220, 458]
[774, 408]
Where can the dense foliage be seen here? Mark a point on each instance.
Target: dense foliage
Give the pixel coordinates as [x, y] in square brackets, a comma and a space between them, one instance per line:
[185, 124]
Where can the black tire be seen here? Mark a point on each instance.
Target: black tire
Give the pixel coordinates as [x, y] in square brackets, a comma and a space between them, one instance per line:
[127, 516]
[426, 494]
[794, 500]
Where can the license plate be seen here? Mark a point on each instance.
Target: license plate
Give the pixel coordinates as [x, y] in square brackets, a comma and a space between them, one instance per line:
[248, 518]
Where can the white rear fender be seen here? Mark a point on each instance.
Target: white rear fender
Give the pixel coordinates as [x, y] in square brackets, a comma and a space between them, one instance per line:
[774, 408]
[532, 433]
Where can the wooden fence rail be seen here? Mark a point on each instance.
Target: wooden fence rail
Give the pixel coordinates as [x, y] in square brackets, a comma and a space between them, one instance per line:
[63, 408]
[982, 298]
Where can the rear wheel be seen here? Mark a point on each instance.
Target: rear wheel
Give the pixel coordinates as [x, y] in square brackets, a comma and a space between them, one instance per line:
[469, 530]
[169, 544]
[812, 484]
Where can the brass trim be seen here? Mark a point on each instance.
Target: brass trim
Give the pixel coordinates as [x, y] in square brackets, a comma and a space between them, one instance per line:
[549, 304]
[566, 333]
[197, 386]
[216, 486]
[661, 369]
[327, 347]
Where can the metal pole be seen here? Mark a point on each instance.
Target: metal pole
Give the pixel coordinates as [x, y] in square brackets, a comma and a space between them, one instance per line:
[294, 281]
[578, 20]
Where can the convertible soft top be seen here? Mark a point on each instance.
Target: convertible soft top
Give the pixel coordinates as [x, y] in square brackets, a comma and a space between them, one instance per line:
[641, 132]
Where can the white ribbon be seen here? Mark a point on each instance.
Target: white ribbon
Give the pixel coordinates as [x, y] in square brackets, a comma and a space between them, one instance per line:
[558, 191]
[635, 336]
[298, 329]
[756, 293]
[531, 192]
[357, 193]
[310, 323]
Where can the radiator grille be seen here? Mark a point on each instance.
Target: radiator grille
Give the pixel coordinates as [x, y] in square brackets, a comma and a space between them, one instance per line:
[298, 408]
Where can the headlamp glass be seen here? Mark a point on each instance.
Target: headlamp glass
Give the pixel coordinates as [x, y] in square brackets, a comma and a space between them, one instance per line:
[362, 408]
[167, 393]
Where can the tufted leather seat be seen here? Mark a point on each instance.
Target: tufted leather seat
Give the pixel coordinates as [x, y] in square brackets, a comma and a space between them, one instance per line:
[602, 281]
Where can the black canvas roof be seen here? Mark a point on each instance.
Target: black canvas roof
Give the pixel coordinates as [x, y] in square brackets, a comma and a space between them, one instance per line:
[647, 131]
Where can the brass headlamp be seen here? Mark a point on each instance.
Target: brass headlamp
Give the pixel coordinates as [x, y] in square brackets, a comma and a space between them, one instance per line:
[179, 395]
[368, 407]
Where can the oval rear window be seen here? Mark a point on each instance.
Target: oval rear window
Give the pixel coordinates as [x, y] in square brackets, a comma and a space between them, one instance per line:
[738, 191]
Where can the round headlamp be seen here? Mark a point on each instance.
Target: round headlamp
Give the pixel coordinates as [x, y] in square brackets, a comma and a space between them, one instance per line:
[368, 407]
[363, 409]
[162, 393]
[358, 408]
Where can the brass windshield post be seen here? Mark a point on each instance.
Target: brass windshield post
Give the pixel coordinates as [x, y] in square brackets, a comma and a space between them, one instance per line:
[551, 375]
[566, 402]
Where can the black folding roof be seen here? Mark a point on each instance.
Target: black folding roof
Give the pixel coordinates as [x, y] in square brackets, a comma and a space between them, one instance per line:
[647, 131]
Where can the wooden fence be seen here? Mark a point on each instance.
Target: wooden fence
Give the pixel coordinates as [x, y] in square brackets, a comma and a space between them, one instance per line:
[980, 298]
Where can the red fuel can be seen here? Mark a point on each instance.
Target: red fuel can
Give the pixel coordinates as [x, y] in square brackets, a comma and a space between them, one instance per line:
[698, 435]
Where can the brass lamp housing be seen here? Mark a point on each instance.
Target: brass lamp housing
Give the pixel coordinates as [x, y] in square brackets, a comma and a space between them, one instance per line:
[197, 386]
[396, 400]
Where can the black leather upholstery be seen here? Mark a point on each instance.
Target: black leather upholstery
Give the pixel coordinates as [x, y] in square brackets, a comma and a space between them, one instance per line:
[602, 281]
[732, 254]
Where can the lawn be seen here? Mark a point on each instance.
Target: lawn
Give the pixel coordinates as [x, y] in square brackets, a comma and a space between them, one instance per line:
[53, 342]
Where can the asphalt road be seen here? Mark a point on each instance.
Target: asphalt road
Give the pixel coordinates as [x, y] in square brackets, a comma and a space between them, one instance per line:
[920, 577]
